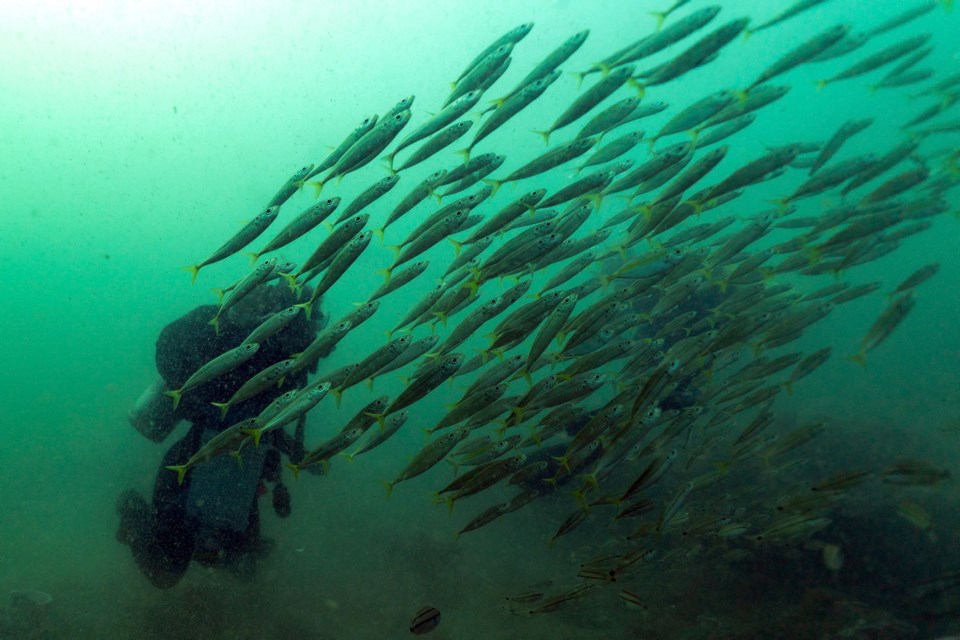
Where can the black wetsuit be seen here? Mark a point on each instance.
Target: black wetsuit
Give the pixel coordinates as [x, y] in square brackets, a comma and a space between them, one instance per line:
[169, 534]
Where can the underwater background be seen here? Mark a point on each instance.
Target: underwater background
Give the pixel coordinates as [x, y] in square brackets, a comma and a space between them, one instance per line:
[138, 136]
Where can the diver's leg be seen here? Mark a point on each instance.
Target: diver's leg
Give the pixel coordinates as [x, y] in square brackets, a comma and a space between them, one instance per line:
[247, 547]
[159, 537]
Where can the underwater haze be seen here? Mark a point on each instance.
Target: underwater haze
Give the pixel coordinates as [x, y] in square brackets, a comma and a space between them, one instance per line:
[140, 137]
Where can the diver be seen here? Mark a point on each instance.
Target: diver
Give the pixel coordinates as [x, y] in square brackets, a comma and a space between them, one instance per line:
[213, 517]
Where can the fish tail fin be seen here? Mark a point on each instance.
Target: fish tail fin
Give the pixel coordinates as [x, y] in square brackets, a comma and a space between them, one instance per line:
[337, 395]
[659, 16]
[596, 199]
[536, 436]
[496, 102]
[254, 255]
[820, 84]
[386, 273]
[579, 75]
[457, 246]
[767, 274]
[873, 88]
[224, 407]
[379, 233]
[741, 95]
[317, 187]
[181, 470]
[621, 249]
[378, 417]
[193, 270]
[525, 373]
[215, 322]
[473, 285]
[393, 247]
[389, 486]
[291, 280]
[174, 394]
[789, 387]
[781, 203]
[465, 153]
[307, 308]
[563, 460]
[219, 293]
[256, 434]
[389, 160]
[592, 481]
[580, 495]
[639, 86]
[747, 33]
[545, 134]
[859, 357]
[646, 211]
[296, 470]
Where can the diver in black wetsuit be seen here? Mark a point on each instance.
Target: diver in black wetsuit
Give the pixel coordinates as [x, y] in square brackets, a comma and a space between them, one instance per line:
[213, 517]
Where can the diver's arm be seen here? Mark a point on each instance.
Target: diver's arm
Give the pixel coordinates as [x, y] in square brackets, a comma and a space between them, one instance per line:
[292, 447]
[152, 414]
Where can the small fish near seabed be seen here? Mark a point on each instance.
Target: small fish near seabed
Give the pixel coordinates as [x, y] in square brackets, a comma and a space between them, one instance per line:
[425, 621]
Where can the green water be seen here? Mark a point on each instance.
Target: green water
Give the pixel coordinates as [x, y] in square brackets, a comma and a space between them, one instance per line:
[138, 136]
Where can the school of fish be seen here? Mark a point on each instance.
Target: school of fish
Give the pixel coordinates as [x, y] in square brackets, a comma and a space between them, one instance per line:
[637, 324]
